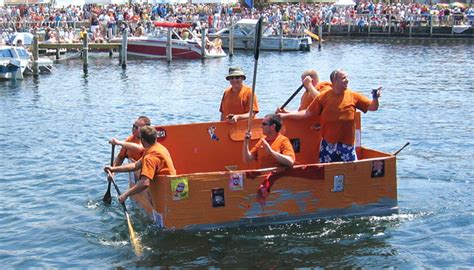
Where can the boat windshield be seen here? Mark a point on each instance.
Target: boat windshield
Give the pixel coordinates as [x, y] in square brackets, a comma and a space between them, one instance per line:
[7, 53]
[23, 53]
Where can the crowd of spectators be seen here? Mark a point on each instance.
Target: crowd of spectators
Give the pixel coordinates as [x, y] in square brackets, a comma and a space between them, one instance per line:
[102, 20]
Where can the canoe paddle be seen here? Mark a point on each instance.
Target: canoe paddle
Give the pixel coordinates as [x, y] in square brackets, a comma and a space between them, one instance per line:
[133, 239]
[256, 52]
[292, 96]
[403, 147]
[107, 197]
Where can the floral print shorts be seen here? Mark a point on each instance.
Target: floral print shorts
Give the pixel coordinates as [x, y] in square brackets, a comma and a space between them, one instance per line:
[336, 152]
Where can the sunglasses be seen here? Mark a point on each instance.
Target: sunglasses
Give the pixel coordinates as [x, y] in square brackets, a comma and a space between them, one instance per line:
[235, 78]
[266, 124]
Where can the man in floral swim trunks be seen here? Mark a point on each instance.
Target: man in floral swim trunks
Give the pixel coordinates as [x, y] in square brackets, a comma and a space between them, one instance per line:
[337, 109]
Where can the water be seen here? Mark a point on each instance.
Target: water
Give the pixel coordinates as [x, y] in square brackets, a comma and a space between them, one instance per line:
[54, 133]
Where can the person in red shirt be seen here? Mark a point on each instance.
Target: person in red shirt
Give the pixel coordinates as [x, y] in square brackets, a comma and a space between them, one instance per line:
[235, 103]
[273, 149]
[156, 161]
[337, 109]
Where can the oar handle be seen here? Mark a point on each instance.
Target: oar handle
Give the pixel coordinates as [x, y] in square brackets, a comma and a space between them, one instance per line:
[112, 155]
[292, 96]
[258, 37]
[403, 147]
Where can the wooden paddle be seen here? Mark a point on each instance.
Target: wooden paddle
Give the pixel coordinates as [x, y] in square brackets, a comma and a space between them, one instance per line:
[133, 239]
[292, 96]
[256, 52]
[107, 197]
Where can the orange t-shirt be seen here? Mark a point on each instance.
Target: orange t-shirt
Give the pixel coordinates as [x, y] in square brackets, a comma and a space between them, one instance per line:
[238, 103]
[337, 113]
[157, 161]
[134, 155]
[306, 99]
[281, 145]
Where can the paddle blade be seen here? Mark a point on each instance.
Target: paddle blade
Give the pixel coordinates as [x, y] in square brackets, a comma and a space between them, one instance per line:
[133, 239]
[107, 199]
[258, 37]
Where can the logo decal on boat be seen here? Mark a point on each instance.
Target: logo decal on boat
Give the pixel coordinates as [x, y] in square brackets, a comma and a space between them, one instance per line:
[218, 198]
[211, 132]
[338, 183]
[161, 136]
[180, 188]
[378, 168]
[236, 181]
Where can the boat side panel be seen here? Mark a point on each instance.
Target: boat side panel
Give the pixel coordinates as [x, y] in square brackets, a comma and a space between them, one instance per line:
[291, 197]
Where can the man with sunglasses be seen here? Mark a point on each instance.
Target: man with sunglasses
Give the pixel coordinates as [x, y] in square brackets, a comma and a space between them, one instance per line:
[273, 149]
[235, 103]
[132, 147]
[156, 161]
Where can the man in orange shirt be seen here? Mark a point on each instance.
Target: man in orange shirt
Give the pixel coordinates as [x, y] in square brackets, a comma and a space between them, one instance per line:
[337, 109]
[273, 149]
[155, 161]
[132, 147]
[235, 103]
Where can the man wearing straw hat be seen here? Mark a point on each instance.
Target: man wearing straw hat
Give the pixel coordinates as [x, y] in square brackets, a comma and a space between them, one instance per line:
[235, 103]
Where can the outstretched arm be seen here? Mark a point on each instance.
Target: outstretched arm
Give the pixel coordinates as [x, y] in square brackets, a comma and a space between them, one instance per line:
[124, 168]
[142, 184]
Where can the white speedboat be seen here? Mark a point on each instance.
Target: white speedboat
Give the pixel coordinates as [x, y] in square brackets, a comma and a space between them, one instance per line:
[244, 35]
[13, 62]
[154, 44]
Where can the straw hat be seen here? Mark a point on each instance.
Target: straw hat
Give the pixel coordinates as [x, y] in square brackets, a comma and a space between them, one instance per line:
[235, 72]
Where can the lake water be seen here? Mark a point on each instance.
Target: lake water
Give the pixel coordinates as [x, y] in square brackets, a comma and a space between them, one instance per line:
[54, 132]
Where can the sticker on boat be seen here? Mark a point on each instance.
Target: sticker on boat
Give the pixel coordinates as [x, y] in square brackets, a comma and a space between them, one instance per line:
[378, 168]
[211, 131]
[236, 181]
[180, 189]
[218, 199]
[161, 133]
[338, 183]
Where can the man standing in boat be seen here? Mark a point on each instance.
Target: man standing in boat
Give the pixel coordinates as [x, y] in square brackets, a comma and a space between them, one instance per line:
[132, 147]
[155, 161]
[235, 103]
[337, 109]
[273, 149]
[312, 86]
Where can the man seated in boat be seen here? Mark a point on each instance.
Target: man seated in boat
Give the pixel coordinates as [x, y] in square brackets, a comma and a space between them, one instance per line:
[156, 161]
[273, 149]
[132, 147]
[235, 103]
[337, 109]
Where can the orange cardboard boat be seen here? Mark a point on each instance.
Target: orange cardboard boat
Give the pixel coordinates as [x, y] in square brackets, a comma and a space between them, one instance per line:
[215, 188]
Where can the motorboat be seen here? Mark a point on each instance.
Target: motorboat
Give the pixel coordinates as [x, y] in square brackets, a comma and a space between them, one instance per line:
[154, 44]
[13, 62]
[272, 38]
[214, 188]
